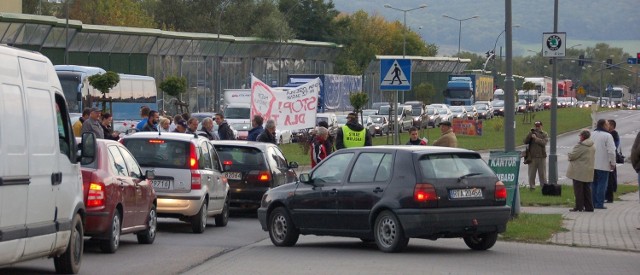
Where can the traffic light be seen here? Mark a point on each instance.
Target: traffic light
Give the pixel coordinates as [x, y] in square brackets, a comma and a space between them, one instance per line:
[490, 54]
[581, 60]
[609, 62]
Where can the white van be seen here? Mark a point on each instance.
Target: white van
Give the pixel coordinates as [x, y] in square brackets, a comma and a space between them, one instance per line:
[41, 209]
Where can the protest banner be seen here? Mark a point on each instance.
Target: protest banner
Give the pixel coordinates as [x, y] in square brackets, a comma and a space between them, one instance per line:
[292, 109]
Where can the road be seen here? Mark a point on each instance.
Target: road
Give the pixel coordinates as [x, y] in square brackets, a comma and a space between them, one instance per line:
[627, 121]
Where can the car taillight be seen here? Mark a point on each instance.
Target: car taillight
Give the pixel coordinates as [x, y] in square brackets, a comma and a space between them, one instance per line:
[501, 191]
[227, 162]
[193, 157]
[95, 196]
[264, 176]
[424, 192]
[260, 176]
[196, 181]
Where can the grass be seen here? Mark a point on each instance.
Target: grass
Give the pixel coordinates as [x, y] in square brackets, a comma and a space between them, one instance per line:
[535, 198]
[493, 132]
[533, 228]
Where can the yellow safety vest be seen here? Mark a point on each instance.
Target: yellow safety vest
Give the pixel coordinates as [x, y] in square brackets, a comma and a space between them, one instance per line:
[353, 138]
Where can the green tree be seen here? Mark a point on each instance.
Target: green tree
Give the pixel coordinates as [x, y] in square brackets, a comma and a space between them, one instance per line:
[528, 86]
[358, 100]
[111, 12]
[425, 92]
[104, 83]
[175, 86]
[310, 19]
[39, 7]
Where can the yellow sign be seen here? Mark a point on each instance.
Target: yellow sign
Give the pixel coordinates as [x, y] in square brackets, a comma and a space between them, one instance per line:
[581, 90]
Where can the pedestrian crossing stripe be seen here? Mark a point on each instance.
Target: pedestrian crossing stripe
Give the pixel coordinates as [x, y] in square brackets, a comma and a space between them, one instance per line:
[396, 74]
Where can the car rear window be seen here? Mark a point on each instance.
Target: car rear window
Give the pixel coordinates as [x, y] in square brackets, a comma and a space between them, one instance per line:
[442, 166]
[240, 158]
[159, 153]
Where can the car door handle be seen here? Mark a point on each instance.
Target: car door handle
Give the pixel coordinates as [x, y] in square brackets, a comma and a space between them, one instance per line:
[56, 178]
[333, 191]
[378, 190]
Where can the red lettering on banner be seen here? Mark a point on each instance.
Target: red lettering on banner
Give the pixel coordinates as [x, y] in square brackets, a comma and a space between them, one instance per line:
[300, 105]
[294, 119]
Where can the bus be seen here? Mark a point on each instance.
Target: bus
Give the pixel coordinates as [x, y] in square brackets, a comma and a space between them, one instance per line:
[126, 98]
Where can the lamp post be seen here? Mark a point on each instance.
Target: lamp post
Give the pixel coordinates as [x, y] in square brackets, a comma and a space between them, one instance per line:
[396, 139]
[460, 26]
[495, 74]
[223, 5]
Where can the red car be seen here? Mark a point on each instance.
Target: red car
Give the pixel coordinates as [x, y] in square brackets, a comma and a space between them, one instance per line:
[119, 198]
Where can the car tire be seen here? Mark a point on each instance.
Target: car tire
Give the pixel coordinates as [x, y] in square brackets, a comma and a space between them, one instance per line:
[282, 231]
[388, 233]
[199, 221]
[482, 241]
[149, 235]
[69, 261]
[223, 218]
[111, 244]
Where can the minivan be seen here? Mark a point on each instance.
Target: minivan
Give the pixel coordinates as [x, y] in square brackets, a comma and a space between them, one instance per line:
[42, 210]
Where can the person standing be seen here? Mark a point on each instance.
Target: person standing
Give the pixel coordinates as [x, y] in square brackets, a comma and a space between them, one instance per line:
[330, 140]
[447, 136]
[192, 125]
[414, 139]
[269, 133]
[77, 126]
[634, 157]
[612, 184]
[144, 114]
[352, 134]
[257, 129]
[537, 141]
[152, 122]
[164, 124]
[207, 129]
[581, 162]
[224, 130]
[106, 120]
[181, 126]
[93, 125]
[604, 163]
[318, 147]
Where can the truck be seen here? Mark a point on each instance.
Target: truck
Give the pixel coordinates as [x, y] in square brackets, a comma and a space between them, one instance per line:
[544, 84]
[618, 94]
[334, 89]
[565, 88]
[467, 89]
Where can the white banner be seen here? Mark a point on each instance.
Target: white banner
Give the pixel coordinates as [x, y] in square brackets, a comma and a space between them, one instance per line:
[291, 109]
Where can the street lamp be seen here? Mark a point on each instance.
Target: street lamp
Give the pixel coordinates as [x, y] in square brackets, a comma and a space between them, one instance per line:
[404, 32]
[495, 76]
[223, 5]
[396, 139]
[576, 45]
[460, 27]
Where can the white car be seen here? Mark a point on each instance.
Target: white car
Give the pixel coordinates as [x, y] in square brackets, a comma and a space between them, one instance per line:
[283, 136]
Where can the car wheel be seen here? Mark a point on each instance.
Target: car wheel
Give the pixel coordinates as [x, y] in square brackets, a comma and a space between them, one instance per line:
[481, 241]
[111, 244]
[281, 229]
[69, 261]
[199, 221]
[149, 235]
[223, 218]
[389, 234]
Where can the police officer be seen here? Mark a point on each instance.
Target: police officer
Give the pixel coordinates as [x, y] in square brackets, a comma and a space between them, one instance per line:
[352, 134]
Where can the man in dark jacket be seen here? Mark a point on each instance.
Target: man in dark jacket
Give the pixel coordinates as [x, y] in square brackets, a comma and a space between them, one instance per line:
[257, 129]
[352, 134]
[224, 130]
[537, 141]
[152, 122]
[269, 133]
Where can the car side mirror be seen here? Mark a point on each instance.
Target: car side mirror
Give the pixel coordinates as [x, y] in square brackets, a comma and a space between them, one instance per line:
[150, 175]
[293, 165]
[305, 178]
[89, 147]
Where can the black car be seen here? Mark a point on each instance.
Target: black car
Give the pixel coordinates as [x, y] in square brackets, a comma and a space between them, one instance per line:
[389, 194]
[251, 168]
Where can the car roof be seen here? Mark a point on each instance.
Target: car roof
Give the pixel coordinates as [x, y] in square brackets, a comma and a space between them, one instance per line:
[164, 135]
[255, 144]
[409, 148]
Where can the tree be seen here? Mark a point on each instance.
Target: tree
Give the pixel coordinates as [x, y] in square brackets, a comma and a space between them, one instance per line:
[111, 12]
[528, 86]
[358, 100]
[425, 92]
[104, 83]
[175, 86]
[40, 7]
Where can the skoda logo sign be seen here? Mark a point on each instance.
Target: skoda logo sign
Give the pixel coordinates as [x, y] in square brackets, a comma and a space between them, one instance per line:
[554, 42]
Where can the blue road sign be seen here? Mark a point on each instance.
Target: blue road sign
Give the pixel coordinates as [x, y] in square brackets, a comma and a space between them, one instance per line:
[632, 60]
[395, 74]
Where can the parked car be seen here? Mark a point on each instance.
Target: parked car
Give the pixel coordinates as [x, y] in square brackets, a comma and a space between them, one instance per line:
[389, 194]
[498, 108]
[472, 112]
[341, 119]
[203, 115]
[458, 112]
[252, 168]
[119, 198]
[433, 116]
[483, 111]
[369, 112]
[241, 130]
[488, 103]
[188, 176]
[445, 113]
[418, 116]
[284, 136]
[378, 125]
[521, 106]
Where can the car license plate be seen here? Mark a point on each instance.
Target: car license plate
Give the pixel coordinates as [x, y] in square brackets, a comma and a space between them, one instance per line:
[233, 175]
[161, 184]
[465, 193]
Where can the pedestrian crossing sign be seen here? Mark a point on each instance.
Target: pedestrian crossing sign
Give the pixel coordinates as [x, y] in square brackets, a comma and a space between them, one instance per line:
[395, 74]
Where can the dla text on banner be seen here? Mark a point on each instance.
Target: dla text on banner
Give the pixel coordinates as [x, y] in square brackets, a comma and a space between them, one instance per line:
[291, 109]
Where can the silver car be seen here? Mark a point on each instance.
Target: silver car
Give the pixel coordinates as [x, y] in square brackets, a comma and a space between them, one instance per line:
[188, 176]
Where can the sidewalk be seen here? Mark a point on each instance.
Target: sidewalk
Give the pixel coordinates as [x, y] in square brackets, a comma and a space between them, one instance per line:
[611, 228]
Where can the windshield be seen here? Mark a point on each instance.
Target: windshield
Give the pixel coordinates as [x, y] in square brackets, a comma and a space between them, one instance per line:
[616, 93]
[481, 107]
[319, 119]
[237, 113]
[416, 111]
[241, 159]
[376, 119]
[241, 126]
[384, 110]
[459, 94]
[498, 104]
[469, 108]
[442, 111]
[70, 89]
[430, 111]
[456, 109]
